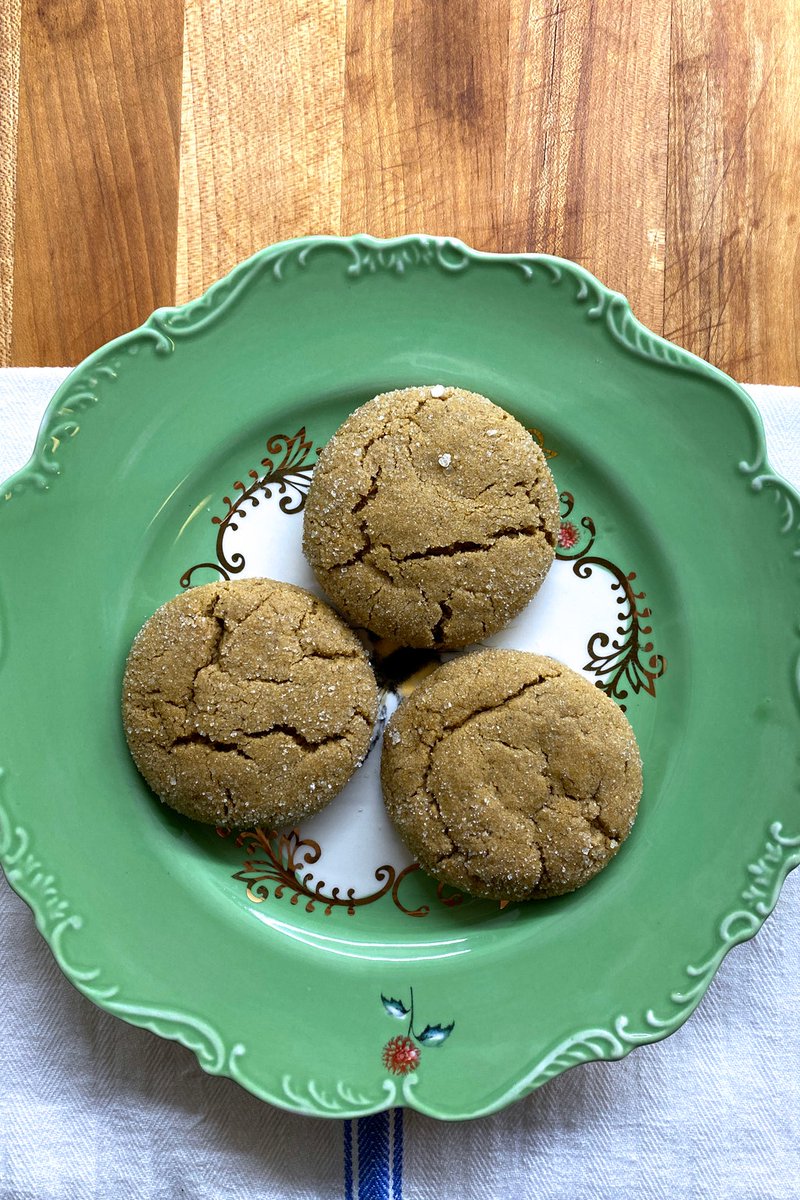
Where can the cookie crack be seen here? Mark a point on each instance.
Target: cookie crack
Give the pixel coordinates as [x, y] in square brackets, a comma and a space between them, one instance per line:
[298, 738]
[445, 613]
[213, 658]
[216, 645]
[364, 500]
[443, 822]
[525, 485]
[426, 786]
[470, 547]
[534, 683]
[449, 551]
[361, 556]
[301, 624]
[335, 656]
[460, 725]
[599, 826]
[545, 880]
[362, 553]
[201, 739]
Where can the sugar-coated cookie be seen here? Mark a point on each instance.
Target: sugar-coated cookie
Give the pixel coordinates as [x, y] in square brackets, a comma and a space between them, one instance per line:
[510, 776]
[247, 703]
[432, 517]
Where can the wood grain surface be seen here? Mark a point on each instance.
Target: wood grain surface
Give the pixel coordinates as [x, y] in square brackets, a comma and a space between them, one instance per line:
[155, 145]
[424, 118]
[733, 237]
[96, 172]
[9, 110]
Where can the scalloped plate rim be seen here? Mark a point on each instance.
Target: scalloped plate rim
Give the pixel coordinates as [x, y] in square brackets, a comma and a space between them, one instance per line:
[530, 1079]
[688, 359]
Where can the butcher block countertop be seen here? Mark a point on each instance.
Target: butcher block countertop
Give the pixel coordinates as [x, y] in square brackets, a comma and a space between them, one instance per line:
[145, 148]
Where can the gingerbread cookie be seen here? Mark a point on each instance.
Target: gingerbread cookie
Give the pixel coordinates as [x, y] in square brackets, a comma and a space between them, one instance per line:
[510, 776]
[247, 703]
[432, 517]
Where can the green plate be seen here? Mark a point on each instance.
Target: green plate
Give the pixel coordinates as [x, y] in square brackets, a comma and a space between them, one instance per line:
[318, 967]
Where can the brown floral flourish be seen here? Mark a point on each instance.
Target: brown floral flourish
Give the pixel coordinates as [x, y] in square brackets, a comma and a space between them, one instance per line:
[280, 864]
[626, 662]
[287, 470]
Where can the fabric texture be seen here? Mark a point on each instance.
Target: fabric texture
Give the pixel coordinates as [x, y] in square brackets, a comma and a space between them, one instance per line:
[91, 1107]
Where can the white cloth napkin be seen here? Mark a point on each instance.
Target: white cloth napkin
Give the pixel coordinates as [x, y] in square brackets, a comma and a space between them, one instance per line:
[90, 1107]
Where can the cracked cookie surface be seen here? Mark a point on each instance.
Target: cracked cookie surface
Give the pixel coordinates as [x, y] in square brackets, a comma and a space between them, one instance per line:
[247, 702]
[432, 517]
[510, 776]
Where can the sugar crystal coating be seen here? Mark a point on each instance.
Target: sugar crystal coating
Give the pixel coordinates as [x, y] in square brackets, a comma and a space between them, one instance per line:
[417, 530]
[510, 776]
[247, 702]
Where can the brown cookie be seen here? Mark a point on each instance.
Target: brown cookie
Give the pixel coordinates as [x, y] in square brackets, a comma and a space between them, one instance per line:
[247, 703]
[432, 517]
[510, 776]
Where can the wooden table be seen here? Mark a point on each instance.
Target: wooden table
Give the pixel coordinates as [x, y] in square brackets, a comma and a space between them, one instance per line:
[157, 142]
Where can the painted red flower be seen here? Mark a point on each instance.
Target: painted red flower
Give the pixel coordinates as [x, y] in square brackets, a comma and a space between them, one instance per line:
[401, 1056]
[567, 535]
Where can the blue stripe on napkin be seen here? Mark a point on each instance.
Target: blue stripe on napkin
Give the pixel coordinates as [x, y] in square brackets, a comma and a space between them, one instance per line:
[397, 1154]
[373, 1160]
[348, 1160]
